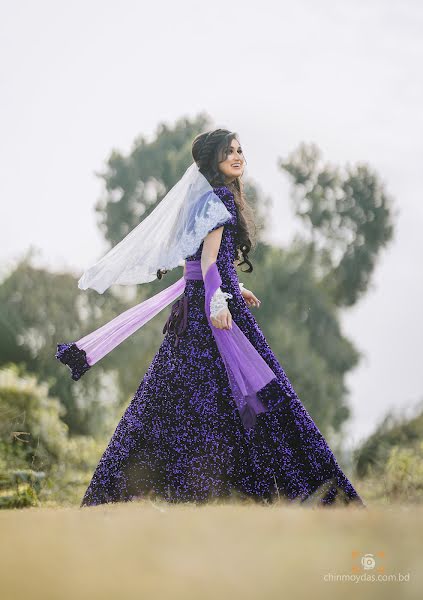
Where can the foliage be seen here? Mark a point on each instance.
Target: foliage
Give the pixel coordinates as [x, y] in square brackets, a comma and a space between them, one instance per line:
[32, 431]
[19, 488]
[349, 218]
[404, 473]
[372, 456]
[37, 456]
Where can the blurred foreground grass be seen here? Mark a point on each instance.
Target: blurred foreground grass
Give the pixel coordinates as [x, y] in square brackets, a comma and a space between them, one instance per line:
[151, 549]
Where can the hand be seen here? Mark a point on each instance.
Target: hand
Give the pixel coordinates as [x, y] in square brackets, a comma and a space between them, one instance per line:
[223, 319]
[250, 299]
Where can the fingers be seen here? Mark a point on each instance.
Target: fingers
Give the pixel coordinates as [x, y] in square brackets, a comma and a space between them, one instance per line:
[226, 321]
[217, 322]
[253, 301]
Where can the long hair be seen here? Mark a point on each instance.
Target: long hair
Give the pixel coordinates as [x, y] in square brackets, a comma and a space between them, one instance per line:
[208, 150]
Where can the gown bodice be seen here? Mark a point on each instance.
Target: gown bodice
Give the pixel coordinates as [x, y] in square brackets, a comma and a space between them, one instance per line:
[227, 250]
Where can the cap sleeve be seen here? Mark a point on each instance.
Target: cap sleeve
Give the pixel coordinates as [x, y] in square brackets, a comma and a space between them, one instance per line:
[219, 225]
[216, 215]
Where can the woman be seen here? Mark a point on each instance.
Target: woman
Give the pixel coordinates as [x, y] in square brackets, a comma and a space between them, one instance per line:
[201, 425]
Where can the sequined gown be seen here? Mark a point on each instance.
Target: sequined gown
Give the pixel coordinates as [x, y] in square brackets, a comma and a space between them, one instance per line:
[181, 438]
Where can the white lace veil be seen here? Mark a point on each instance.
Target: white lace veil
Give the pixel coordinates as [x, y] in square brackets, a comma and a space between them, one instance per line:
[170, 233]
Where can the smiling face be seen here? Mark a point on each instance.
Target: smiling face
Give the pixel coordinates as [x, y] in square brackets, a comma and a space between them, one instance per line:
[233, 164]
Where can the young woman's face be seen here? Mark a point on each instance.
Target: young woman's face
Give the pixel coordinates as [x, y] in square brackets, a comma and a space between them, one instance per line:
[233, 164]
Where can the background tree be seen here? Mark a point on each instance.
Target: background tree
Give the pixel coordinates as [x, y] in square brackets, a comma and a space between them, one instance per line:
[348, 216]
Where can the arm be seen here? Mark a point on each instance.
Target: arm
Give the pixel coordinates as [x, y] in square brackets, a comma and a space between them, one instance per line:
[220, 317]
[248, 296]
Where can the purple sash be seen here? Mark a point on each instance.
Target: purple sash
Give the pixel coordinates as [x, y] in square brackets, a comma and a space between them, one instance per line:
[247, 371]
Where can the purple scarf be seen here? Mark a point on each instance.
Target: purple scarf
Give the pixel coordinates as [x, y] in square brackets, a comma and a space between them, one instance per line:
[247, 371]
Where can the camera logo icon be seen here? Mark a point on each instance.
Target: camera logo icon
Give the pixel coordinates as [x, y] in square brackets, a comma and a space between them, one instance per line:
[368, 561]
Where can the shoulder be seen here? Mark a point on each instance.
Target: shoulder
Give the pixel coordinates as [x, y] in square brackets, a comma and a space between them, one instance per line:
[228, 200]
[222, 191]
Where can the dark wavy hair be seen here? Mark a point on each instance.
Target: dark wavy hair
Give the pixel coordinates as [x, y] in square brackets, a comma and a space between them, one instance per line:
[208, 150]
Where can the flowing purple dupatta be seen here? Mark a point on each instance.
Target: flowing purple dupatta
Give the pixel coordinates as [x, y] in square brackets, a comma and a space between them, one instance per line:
[247, 371]
[84, 353]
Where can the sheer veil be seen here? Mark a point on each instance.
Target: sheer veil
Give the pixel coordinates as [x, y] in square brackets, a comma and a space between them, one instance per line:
[170, 233]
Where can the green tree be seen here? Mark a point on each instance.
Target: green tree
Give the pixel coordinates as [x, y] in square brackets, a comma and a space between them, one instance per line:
[349, 218]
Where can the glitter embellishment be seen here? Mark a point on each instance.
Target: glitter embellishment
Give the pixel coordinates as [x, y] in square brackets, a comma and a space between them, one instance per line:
[74, 358]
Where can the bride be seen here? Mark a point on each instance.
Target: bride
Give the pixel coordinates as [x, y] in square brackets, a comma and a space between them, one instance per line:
[215, 415]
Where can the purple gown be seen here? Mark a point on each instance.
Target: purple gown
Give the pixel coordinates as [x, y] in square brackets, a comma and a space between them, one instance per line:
[181, 438]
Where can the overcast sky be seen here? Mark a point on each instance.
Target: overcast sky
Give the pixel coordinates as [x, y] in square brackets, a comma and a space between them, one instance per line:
[81, 78]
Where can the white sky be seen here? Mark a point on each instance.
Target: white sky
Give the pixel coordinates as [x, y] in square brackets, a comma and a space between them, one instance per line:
[81, 78]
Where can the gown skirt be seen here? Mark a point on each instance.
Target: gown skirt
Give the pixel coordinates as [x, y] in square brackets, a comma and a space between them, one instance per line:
[181, 438]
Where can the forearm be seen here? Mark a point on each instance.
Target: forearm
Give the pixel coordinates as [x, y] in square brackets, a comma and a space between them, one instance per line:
[215, 298]
[206, 260]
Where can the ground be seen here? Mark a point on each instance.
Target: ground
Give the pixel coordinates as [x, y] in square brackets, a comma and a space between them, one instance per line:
[150, 549]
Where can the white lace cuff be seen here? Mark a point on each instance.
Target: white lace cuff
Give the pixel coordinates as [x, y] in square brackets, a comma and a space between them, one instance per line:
[218, 301]
[241, 286]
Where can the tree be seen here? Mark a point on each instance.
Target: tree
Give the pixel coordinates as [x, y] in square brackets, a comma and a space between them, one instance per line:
[349, 218]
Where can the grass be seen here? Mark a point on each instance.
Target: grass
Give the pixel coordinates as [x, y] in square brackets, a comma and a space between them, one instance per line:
[151, 549]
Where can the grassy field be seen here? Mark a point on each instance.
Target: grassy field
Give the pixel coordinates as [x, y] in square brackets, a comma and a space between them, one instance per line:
[150, 549]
